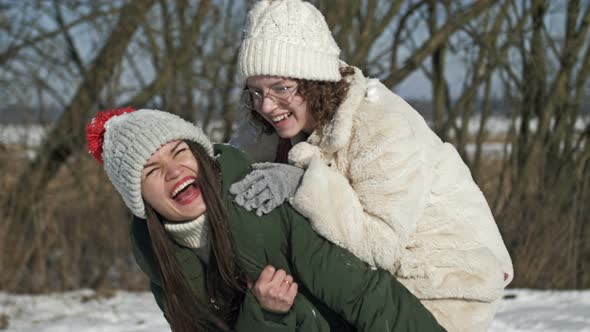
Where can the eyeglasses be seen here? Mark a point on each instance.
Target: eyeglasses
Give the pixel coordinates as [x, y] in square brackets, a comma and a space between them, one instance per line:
[280, 94]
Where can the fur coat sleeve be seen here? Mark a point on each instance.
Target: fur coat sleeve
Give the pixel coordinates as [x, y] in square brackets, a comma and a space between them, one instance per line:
[373, 210]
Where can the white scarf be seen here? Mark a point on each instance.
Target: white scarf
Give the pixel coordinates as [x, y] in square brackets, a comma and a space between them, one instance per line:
[191, 234]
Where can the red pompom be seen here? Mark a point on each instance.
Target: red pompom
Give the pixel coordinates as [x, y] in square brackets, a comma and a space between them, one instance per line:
[95, 130]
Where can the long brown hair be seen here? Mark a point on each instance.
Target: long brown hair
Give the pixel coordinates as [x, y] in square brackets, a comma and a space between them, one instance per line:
[226, 283]
[323, 99]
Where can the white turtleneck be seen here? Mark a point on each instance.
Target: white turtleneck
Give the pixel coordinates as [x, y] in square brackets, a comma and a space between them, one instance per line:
[191, 234]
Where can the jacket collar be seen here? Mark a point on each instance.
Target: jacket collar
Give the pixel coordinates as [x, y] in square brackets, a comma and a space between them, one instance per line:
[336, 134]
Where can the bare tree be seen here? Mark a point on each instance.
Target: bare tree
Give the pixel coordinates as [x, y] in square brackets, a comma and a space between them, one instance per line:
[549, 153]
[170, 41]
[65, 138]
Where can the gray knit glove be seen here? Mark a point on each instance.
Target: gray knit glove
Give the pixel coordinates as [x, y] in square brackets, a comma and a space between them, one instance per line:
[266, 187]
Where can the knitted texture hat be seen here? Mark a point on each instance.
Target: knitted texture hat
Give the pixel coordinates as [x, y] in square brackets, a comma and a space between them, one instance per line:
[288, 38]
[123, 140]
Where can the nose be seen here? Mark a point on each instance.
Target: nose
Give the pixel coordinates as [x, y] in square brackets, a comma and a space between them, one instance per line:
[268, 105]
[173, 171]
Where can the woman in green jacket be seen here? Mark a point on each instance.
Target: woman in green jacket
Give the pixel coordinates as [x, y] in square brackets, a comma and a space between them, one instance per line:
[201, 251]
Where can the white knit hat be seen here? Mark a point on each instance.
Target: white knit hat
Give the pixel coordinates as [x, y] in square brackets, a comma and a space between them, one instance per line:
[125, 139]
[288, 38]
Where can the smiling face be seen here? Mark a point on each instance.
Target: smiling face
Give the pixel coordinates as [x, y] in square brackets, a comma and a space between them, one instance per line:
[169, 183]
[287, 118]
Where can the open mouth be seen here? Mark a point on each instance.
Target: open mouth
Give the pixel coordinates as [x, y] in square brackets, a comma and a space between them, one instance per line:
[186, 190]
[281, 118]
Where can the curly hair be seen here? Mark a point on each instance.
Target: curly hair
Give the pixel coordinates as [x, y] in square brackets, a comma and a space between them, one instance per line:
[323, 99]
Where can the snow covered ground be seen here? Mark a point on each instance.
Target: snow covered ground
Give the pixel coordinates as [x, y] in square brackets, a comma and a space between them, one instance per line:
[529, 310]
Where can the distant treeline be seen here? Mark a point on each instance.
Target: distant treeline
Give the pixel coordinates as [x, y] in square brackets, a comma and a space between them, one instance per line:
[20, 114]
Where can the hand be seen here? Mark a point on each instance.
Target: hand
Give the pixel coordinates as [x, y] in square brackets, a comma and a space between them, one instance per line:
[266, 187]
[275, 290]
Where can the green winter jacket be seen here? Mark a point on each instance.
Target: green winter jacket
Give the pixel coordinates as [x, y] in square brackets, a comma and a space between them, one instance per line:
[337, 292]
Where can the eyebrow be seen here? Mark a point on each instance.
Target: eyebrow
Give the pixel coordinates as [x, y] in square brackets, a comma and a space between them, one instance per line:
[175, 147]
[171, 152]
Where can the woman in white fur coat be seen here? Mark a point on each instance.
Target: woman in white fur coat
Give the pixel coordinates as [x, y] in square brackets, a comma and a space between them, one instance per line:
[377, 180]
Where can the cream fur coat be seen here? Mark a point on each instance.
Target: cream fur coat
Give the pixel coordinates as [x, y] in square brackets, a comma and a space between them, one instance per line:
[381, 184]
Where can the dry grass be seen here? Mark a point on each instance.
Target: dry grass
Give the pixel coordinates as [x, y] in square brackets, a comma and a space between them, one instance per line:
[542, 230]
[83, 234]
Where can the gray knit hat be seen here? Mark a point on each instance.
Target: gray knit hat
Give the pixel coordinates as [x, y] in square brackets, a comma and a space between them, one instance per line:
[288, 38]
[125, 139]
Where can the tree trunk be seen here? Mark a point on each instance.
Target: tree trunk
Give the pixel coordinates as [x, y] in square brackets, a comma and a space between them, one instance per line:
[65, 138]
